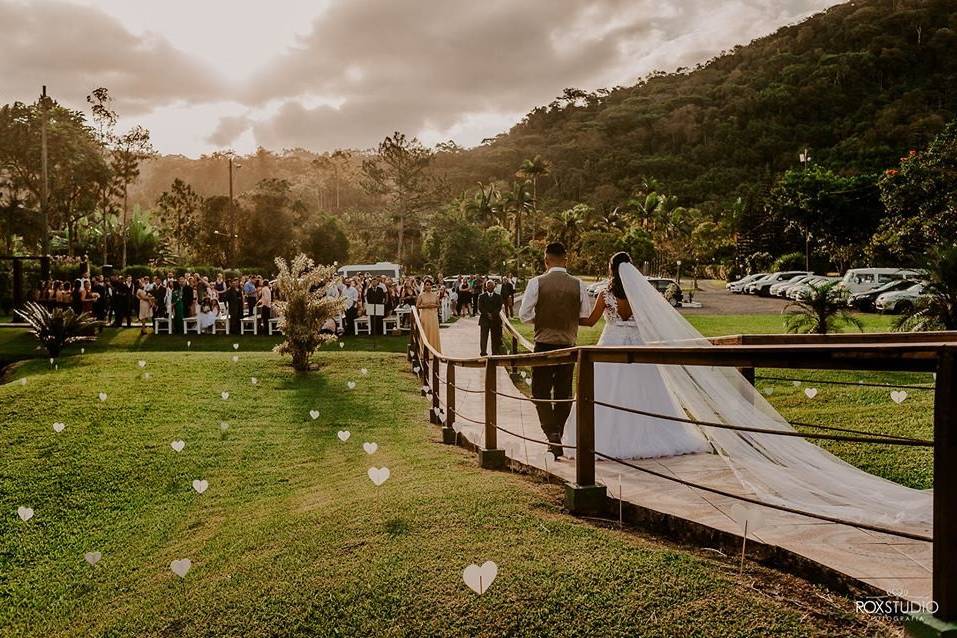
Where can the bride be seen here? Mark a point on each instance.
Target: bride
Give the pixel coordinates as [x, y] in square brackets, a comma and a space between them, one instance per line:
[784, 470]
[638, 386]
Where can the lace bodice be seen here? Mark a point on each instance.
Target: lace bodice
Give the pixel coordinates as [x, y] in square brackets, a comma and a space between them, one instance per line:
[611, 308]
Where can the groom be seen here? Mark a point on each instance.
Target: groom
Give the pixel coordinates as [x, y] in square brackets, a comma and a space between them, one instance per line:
[555, 302]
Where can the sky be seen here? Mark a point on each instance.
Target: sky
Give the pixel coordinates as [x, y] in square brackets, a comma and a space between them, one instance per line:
[207, 75]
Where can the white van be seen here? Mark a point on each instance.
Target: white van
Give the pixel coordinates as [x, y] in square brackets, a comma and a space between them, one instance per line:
[857, 280]
[379, 268]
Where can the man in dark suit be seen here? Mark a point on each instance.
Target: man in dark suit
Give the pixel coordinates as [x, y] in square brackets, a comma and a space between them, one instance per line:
[233, 297]
[490, 319]
[121, 301]
[375, 296]
[508, 294]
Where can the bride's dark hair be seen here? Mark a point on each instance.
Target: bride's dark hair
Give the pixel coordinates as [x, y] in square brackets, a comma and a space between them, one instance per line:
[617, 260]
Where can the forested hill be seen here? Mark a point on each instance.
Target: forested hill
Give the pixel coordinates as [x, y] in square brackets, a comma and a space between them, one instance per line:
[859, 85]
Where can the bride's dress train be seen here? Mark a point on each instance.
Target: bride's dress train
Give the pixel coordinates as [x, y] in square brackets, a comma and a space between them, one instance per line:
[639, 386]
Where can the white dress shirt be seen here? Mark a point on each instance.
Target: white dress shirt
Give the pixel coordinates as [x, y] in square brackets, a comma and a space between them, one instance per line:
[530, 298]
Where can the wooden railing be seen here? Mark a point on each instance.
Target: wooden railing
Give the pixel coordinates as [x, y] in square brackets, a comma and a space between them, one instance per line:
[908, 352]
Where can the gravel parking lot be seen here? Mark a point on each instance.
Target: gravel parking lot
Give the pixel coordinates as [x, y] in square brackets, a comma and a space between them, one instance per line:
[716, 300]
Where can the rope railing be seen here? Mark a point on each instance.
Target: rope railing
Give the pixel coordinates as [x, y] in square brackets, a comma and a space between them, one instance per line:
[881, 439]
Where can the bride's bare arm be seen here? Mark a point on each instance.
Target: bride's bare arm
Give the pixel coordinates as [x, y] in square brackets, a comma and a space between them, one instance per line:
[595, 313]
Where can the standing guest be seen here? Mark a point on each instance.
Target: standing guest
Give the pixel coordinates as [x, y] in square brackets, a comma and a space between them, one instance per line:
[508, 294]
[160, 294]
[220, 285]
[428, 305]
[76, 297]
[234, 304]
[249, 289]
[265, 306]
[121, 303]
[176, 298]
[478, 285]
[490, 318]
[351, 302]
[101, 300]
[375, 296]
[145, 304]
[465, 299]
[189, 295]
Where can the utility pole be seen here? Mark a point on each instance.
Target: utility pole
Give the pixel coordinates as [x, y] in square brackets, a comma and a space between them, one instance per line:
[805, 158]
[45, 184]
[232, 209]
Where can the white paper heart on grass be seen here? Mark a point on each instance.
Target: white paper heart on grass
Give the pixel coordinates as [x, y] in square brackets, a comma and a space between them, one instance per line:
[58, 427]
[235, 346]
[755, 517]
[379, 475]
[523, 373]
[342, 345]
[810, 392]
[235, 358]
[181, 566]
[92, 557]
[141, 363]
[147, 376]
[178, 445]
[254, 381]
[456, 427]
[898, 396]
[224, 394]
[189, 343]
[528, 380]
[416, 369]
[370, 448]
[364, 372]
[25, 513]
[796, 383]
[479, 579]
[82, 350]
[23, 381]
[102, 396]
[200, 486]
[351, 385]
[768, 391]
[223, 426]
[343, 435]
[314, 414]
[52, 360]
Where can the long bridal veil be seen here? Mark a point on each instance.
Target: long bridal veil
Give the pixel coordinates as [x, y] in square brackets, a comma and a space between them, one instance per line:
[783, 470]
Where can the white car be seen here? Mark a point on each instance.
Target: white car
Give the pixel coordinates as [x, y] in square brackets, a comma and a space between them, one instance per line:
[780, 289]
[794, 292]
[762, 286]
[858, 280]
[899, 301]
[737, 287]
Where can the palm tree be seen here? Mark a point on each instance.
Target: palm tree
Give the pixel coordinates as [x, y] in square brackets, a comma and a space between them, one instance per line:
[58, 329]
[820, 309]
[531, 170]
[936, 308]
[568, 225]
[517, 202]
[483, 207]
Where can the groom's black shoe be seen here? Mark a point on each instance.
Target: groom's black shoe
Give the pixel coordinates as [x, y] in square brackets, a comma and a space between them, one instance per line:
[556, 450]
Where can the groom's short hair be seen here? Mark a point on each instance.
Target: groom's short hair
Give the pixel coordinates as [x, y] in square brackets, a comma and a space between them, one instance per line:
[556, 249]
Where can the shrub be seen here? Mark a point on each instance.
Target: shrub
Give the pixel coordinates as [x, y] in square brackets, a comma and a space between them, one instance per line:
[56, 330]
[303, 308]
[820, 309]
[790, 261]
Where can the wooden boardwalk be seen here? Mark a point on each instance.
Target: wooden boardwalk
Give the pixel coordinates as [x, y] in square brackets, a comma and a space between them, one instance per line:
[898, 566]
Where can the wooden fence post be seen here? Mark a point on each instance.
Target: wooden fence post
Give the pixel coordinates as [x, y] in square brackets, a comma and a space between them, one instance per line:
[448, 431]
[584, 496]
[424, 374]
[436, 408]
[943, 622]
[514, 351]
[490, 457]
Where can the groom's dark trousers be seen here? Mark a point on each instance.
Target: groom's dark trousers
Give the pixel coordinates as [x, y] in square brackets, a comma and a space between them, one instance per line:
[552, 382]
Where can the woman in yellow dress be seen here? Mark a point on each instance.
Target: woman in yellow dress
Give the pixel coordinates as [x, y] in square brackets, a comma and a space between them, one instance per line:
[428, 304]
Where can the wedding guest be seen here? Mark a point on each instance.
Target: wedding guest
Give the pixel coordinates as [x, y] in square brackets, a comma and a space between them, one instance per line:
[233, 298]
[265, 306]
[145, 305]
[176, 297]
[351, 301]
[428, 305]
[508, 294]
[101, 300]
[189, 295]
[249, 290]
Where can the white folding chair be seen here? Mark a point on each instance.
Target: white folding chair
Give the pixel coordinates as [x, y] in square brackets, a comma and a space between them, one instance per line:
[191, 324]
[162, 323]
[362, 324]
[273, 325]
[221, 323]
[250, 323]
[390, 321]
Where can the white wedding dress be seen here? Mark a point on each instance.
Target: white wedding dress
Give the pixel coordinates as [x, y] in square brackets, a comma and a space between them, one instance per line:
[639, 386]
[783, 470]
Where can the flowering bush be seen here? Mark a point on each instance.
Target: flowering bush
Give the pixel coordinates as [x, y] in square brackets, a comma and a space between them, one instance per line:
[303, 308]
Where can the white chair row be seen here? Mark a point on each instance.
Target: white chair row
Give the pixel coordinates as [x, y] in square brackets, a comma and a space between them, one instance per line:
[363, 325]
[248, 324]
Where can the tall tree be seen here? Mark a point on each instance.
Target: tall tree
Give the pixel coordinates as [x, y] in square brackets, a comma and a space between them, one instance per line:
[129, 150]
[531, 170]
[178, 212]
[398, 173]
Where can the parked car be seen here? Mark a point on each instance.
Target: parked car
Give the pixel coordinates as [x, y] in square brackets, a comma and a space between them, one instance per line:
[762, 286]
[899, 301]
[794, 292]
[780, 289]
[661, 284]
[864, 301]
[866, 279]
[737, 287]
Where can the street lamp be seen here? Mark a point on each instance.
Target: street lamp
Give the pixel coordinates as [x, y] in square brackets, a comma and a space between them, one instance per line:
[232, 203]
[805, 157]
[678, 275]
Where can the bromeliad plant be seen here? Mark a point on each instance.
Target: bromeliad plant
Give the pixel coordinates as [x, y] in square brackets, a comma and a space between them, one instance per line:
[303, 308]
[58, 329]
[820, 309]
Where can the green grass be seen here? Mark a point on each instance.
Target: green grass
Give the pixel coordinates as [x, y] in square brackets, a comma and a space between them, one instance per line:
[292, 539]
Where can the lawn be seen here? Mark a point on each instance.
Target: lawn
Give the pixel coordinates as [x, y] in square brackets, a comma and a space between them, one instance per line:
[291, 538]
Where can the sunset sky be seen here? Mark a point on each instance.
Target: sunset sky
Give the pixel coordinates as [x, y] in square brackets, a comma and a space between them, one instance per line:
[204, 75]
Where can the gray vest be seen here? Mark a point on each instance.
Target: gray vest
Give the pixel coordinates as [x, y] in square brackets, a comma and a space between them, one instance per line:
[556, 312]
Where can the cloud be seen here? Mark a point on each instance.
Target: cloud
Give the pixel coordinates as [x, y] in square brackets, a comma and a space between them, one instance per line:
[429, 65]
[228, 129]
[74, 49]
